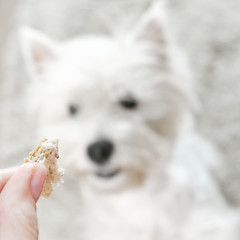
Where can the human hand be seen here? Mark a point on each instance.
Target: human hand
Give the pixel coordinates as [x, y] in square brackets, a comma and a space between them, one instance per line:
[20, 188]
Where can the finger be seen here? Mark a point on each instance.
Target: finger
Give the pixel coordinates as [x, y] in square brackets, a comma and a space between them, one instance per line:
[28, 180]
[17, 203]
[37, 182]
[5, 175]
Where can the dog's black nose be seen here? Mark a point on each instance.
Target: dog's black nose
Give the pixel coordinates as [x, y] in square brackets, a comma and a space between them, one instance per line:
[100, 151]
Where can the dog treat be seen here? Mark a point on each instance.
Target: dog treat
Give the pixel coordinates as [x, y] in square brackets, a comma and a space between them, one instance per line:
[47, 154]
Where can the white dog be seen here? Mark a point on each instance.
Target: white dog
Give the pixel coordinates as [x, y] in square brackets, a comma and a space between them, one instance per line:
[122, 108]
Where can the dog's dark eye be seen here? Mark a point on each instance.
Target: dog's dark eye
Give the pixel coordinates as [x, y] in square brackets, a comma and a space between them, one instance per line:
[129, 103]
[73, 109]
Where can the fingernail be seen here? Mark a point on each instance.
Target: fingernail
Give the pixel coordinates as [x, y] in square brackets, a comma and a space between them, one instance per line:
[37, 182]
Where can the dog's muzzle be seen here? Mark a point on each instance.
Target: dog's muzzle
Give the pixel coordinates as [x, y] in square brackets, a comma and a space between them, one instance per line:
[100, 151]
[107, 174]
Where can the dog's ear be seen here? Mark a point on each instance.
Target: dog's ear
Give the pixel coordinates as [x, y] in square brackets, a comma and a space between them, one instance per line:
[151, 26]
[38, 50]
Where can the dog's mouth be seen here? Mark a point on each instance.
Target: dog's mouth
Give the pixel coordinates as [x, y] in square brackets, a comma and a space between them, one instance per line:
[107, 174]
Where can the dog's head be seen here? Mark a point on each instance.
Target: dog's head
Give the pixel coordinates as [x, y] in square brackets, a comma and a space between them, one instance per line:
[116, 103]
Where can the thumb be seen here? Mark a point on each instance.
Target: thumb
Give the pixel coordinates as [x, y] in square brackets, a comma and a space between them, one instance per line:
[18, 218]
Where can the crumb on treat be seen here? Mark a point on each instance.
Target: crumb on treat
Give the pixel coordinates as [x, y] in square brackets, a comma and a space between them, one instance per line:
[46, 153]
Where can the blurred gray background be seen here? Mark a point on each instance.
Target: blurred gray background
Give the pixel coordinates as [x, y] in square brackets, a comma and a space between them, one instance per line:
[207, 30]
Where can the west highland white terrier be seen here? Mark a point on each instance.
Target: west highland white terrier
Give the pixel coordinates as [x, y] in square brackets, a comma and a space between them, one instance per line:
[122, 107]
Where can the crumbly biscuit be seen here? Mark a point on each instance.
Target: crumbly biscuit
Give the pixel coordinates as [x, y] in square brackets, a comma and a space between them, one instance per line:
[47, 154]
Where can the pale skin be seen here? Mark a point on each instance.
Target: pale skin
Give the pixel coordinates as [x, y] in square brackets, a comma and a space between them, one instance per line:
[20, 189]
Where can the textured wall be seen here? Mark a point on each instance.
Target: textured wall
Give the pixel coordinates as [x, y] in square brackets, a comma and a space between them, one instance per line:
[6, 10]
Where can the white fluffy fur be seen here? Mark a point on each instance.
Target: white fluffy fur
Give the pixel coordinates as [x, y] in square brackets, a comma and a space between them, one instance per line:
[165, 189]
